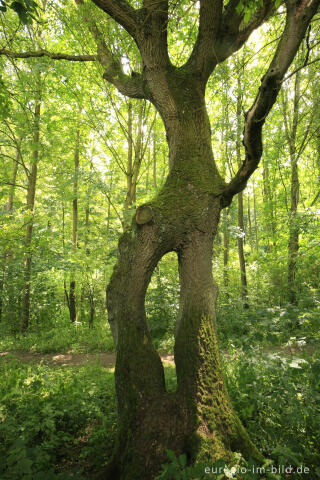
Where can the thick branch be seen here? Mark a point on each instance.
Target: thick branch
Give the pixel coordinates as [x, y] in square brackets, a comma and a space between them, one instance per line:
[152, 36]
[203, 56]
[298, 18]
[45, 53]
[130, 86]
[233, 34]
[222, 34]
[121, 12]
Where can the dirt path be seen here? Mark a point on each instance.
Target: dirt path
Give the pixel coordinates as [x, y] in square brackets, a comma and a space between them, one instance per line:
[106, 359]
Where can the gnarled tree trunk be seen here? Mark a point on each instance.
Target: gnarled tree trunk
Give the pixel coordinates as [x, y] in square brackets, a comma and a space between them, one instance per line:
[198, 418]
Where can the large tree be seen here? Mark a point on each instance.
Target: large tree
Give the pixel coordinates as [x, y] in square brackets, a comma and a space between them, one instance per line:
[198, 418]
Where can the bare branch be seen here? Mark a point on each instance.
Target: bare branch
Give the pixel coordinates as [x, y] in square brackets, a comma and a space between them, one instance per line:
[14, 185]
[52, 55]
[300, 68]
[298, 18]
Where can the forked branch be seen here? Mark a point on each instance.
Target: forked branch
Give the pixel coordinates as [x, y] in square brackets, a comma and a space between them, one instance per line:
[221, 34]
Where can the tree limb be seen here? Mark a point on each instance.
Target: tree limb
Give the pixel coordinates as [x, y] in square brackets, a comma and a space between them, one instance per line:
[233, 34]
[203, 57]
[298, 18]
[121, 12]
[130, 86]
[52, 55]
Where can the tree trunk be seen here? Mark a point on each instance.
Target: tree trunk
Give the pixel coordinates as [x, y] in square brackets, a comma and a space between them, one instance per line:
[255, 222]
[250, 223]
[268, 205]
[154, 156]
[7, 256]
[242, 262]
[129, 173]
[198, 419]
[226, 243]
[31, 192]
[72, 289]
[293, 244]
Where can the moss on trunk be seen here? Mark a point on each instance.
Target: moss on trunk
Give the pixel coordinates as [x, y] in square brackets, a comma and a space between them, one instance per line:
[198, 419]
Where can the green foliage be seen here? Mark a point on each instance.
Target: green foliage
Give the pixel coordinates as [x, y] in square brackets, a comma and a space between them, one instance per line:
[177, 469]
[277, 398]
[54, 420]
[57, 420]
[25, 9]
[272, 326]
[61, 336]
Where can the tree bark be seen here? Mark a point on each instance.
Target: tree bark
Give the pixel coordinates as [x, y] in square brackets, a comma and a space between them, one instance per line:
[198, 418]
[72, 288]
[31, 192]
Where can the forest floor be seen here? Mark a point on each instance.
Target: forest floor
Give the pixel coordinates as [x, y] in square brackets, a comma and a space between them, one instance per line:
[107, 359]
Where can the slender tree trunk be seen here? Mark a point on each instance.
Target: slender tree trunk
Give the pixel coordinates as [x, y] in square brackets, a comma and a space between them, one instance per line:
[154, 170]
[243, 274]
[134, 161]
[268, 204]
[72, 290]
[255, 222]
[7, 256]
[250, 223]
[242, 262]
[129, 174]
[226, 245]
[293, 244]
[31, 192]
[198, 419]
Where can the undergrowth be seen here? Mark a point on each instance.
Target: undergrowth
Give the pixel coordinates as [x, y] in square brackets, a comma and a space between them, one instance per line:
[61, 421]
[61, 337]
[54, 421]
